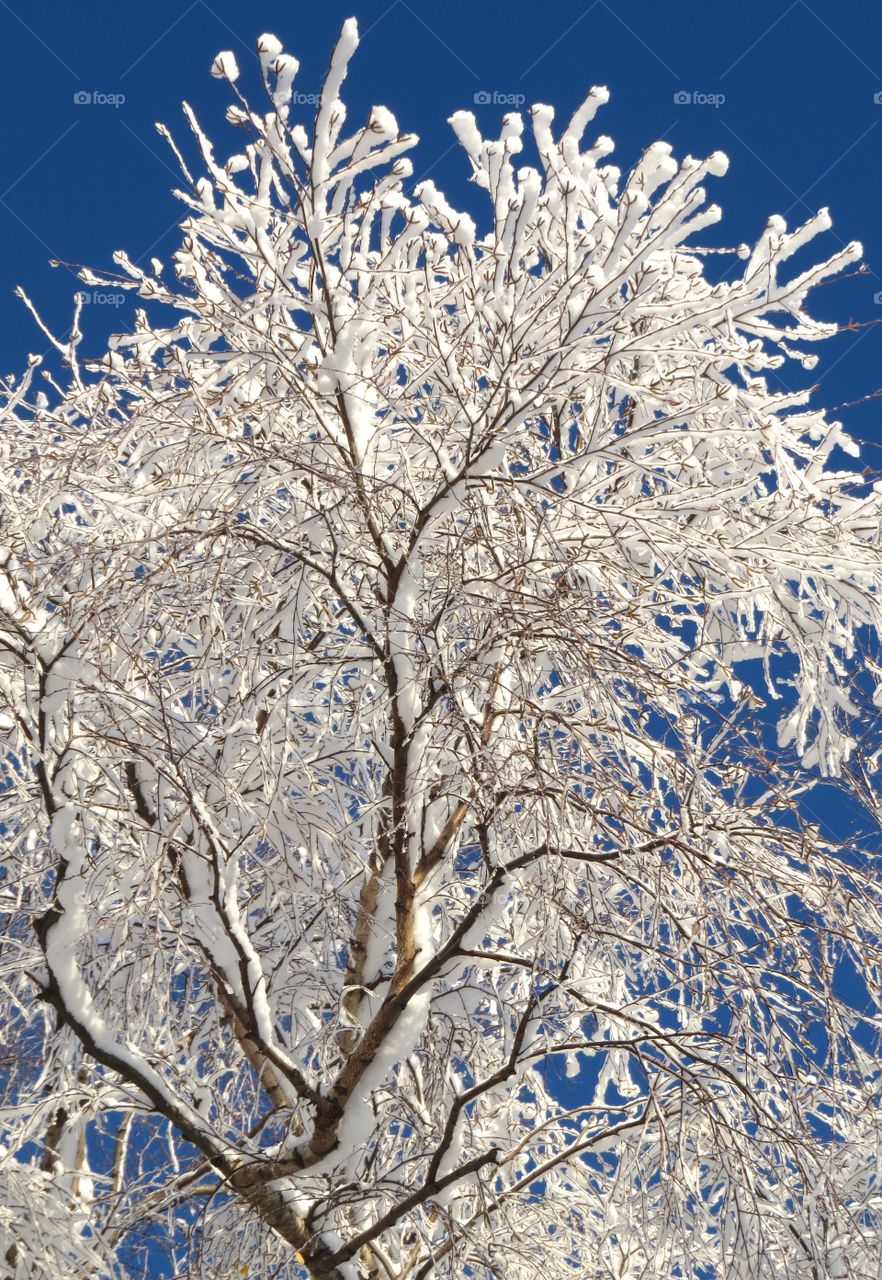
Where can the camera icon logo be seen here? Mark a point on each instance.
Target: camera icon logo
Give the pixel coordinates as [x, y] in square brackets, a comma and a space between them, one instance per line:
[877, 298]
[682, 97]
[482, 97]
[82, 97]
[877, 98]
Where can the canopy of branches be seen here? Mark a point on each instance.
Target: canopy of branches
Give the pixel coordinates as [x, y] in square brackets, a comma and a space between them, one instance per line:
[416, 639]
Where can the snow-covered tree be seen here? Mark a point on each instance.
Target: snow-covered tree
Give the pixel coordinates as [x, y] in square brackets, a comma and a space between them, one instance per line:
[417, 645]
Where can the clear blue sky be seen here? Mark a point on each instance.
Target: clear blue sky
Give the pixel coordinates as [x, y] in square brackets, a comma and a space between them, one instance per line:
[798, 120]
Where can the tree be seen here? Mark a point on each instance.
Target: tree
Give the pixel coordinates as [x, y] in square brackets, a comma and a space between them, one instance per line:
[416, 654]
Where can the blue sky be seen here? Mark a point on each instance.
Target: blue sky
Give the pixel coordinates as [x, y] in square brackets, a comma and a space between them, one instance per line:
[787, 89]
[799, 119]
